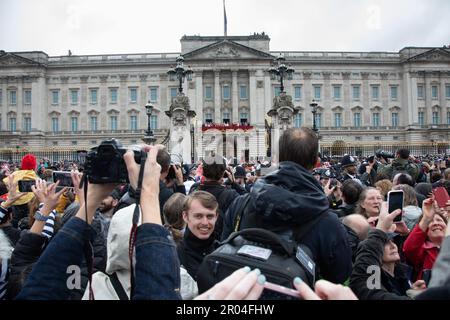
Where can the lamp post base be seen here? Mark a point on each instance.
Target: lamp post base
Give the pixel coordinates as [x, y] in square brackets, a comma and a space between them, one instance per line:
[149, 140]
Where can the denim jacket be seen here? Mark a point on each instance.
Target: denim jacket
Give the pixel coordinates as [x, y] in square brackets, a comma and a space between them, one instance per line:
[157, 265]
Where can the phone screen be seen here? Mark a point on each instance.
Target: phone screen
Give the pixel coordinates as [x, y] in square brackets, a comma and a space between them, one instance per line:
[441, 196]
[25, 185]
[64, 178]
[395, 201]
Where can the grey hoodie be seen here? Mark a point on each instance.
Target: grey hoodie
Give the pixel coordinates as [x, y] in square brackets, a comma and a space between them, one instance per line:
[118, 261]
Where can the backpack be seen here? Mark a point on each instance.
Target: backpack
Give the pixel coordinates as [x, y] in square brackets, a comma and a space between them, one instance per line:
[278, 258]
[409, 169]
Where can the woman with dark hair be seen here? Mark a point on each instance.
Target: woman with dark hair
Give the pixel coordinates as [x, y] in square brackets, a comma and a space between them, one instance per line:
[424, 189]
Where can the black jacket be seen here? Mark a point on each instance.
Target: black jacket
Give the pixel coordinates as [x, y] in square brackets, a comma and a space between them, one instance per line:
[12, 233]
[370, 253]
[291, 196]
[345, 210]
[164, 194]
[192, 250]
[26, 252]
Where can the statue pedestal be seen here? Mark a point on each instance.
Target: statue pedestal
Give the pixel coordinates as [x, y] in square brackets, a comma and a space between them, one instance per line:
[180, 134]
[282, 115]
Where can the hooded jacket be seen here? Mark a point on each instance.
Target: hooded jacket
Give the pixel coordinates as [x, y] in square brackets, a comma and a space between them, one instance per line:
[368, 260]
[6, 250]
[118, 261]
[291, 196]
[23, 175]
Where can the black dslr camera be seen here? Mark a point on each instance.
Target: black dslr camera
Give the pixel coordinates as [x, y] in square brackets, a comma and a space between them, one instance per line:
[105, 164]
[384, 154]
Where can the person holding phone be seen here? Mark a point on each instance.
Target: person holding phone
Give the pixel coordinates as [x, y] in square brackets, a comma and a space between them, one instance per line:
[377, 272]
[422, 246]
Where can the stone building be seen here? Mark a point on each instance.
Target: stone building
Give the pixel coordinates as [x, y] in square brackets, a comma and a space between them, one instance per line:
[366, 100]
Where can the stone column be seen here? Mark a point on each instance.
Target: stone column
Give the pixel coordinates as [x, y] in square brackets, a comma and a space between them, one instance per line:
[308, 97]
[252, 98]
[234, 97]
[428, 100]
[385, 114]
[103, 99]
[217, 96]
[442, 98]
[253, 117]
[198, 107]
[3, 106]
[410, 96]
[327, 117]
[346, 114]
[39, 111]
[365, 99]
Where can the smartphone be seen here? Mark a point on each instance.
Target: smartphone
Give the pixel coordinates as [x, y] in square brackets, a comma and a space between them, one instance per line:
[283, 290]
[441, 196]
[333, 183]
[25, 185]
[64, 178]
[395, 201]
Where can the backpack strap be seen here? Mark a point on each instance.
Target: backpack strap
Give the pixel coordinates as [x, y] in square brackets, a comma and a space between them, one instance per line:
[238, 216]
[118, 287]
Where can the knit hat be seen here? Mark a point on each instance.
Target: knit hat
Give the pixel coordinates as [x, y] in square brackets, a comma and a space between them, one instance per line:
[28, 162]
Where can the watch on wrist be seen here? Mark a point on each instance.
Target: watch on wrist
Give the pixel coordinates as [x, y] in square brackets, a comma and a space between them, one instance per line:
[40, 217]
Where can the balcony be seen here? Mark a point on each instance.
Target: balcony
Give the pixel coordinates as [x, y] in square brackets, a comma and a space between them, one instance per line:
[226, 126]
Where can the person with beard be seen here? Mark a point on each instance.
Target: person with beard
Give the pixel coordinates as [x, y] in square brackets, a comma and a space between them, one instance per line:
[200, 212]
[290, 198]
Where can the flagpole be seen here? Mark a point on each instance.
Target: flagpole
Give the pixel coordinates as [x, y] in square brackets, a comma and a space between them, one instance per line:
[224, 20]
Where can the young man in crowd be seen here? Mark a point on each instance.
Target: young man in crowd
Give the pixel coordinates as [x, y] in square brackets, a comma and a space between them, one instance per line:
[200, 213]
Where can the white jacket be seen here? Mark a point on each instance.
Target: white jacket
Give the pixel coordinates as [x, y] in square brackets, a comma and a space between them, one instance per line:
[118, 262]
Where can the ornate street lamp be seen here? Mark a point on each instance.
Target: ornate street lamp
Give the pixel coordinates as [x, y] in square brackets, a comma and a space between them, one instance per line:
[180, 72]
[149, 138]
[313, 106]
[281, 71]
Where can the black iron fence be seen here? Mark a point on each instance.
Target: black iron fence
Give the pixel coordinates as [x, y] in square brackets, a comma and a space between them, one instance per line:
[58, 154]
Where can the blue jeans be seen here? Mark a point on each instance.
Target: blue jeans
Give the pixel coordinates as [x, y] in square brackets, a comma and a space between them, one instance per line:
[157, 265]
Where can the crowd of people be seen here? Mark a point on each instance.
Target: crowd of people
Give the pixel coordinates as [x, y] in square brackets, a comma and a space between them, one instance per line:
[148, 238]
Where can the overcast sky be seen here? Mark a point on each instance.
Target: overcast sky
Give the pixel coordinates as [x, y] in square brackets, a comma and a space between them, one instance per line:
[138, 26]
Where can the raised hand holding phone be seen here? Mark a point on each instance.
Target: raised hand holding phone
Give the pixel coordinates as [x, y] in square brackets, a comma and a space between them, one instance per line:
[395, 202]
[441, 196]
[386, 219]
[428, 214]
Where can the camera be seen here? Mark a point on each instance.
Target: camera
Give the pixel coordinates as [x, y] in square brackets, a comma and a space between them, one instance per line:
[105, 164]
[384, 154]
[64, 178]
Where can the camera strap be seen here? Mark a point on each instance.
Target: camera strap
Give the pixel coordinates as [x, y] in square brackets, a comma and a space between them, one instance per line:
[136, 221]
[88, 249]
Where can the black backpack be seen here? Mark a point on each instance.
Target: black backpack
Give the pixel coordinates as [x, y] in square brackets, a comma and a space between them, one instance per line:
[278, 258]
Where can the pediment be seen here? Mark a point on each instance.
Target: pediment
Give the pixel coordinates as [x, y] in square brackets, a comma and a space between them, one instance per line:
[8, 59]
[438, 54]
[227, 49]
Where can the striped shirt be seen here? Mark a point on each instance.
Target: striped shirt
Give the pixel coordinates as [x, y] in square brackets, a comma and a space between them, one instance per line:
[49, 227]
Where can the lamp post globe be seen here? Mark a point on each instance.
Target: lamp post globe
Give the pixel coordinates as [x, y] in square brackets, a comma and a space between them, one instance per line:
[281, 71]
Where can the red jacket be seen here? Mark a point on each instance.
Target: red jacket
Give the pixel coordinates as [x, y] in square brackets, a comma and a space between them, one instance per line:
[420, 252]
